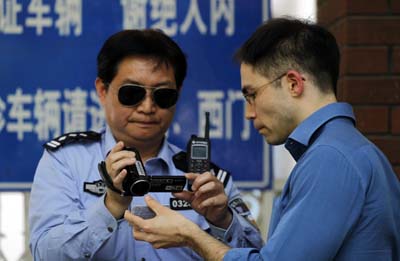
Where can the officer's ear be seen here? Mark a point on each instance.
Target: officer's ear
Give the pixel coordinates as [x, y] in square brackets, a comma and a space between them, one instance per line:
[101, 90]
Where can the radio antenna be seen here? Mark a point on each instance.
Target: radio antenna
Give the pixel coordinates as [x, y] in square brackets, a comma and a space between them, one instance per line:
[207, 128]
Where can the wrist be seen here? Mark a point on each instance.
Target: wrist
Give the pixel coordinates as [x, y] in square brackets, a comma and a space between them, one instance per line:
[116, 204]
[191, 233]
[225, 221]
[205, 245]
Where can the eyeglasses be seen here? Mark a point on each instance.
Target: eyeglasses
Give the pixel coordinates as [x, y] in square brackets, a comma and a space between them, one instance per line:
[251, 97]
[133, 94]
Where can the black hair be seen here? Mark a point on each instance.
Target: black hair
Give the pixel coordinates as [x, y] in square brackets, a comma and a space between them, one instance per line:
[287, 43]
[149, 43]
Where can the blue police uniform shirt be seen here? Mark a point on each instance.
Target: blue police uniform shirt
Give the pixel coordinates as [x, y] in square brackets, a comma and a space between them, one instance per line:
[67, 222]
[340, 202]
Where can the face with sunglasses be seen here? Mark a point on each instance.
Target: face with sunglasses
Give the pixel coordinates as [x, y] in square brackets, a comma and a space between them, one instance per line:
[139, 102]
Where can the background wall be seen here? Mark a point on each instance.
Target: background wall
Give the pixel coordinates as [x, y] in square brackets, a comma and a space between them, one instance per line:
[368, 33]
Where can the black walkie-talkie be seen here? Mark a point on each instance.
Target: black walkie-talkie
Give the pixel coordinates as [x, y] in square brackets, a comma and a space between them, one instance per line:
[198, 152]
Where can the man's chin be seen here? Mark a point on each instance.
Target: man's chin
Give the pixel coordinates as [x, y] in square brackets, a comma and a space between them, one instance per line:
[144, 137]
[148, 138]
[273, 141]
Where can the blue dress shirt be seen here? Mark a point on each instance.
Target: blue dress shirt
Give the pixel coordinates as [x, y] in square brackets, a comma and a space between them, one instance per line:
[341, 201]
[67, 223]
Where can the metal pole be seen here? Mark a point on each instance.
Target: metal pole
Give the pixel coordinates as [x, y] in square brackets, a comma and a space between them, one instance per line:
[26, 256]
[2, 257]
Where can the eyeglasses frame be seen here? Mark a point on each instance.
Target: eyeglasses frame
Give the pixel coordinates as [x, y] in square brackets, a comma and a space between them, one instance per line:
[251, 97]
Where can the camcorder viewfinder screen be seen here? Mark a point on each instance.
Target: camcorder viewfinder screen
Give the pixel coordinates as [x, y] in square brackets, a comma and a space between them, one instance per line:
[199, 152]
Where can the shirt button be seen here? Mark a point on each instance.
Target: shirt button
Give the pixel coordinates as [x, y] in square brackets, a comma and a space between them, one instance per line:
[229, 239]
[110, 229]
[87, 255]
[143, 259]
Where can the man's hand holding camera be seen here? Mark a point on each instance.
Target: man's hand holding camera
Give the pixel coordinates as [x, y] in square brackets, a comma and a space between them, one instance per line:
[208, 197]
[116, 162]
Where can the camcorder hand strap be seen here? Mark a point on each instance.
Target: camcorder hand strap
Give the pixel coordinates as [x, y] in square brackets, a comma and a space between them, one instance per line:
[107, 179]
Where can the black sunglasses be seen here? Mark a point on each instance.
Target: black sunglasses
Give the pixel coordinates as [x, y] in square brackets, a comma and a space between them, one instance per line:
[133, 94]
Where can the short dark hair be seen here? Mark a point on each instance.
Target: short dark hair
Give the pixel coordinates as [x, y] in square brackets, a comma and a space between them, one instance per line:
[149, 43]
[287, 43]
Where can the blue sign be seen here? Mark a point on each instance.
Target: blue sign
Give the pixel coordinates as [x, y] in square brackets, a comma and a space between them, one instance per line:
[48, 52]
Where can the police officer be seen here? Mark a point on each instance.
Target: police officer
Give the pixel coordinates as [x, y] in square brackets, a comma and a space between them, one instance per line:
[73, 215]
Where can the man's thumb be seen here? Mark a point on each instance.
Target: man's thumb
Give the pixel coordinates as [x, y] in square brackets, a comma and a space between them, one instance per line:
[153, 204]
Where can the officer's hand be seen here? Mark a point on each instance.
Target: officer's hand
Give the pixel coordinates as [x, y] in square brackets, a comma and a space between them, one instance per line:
[208, 198]
[167, 229]
[116, 161]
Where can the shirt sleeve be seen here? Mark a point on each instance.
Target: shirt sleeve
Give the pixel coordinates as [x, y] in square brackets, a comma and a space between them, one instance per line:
[60, 226]
[323, 201]
[241, 232]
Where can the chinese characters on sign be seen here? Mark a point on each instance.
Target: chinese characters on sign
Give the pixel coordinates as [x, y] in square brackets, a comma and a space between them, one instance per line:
[66, 16]
[220, 108]
[49, 50]
[163, 15]
[45, 119]
[39, 17]
[50, 113]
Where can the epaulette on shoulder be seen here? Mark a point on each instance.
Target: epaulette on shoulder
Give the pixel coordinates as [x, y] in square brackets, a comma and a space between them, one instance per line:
[72, 137]
[180, 162]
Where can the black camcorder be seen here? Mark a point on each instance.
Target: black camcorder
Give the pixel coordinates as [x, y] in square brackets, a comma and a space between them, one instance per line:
[138, 183]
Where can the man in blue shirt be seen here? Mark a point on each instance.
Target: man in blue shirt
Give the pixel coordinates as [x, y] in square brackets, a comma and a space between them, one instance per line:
[342, 199]
[74, 216]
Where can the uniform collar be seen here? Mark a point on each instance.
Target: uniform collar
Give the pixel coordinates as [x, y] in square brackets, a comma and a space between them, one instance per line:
[300, 139]
[165, 153]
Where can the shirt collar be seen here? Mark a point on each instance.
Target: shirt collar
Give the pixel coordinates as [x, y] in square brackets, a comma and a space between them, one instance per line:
[299, 140]
[164, 156]
[165, 153]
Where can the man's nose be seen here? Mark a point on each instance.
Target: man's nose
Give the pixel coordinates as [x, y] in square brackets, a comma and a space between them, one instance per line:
[250, 112]
[147, 105]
